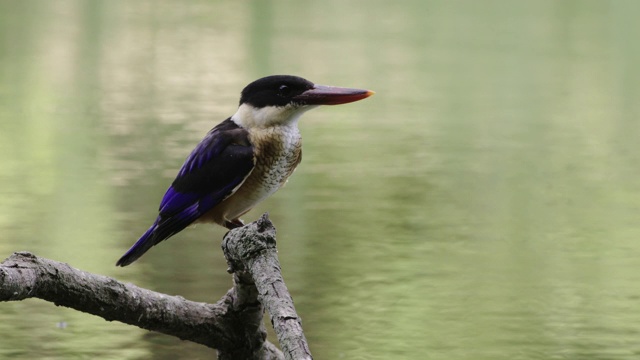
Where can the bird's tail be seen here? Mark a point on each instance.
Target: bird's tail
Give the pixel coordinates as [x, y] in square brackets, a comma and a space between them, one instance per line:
[162, 229]
[146, 241]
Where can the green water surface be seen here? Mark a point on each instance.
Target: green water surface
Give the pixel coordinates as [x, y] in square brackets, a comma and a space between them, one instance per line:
[484, 204]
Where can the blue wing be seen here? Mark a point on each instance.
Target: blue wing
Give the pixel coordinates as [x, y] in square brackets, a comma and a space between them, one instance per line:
[211, 173]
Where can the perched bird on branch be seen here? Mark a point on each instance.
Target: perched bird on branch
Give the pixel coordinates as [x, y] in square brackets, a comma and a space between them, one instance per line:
[243, 160]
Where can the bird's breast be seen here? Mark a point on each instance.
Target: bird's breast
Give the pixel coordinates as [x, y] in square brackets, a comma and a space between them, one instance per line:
[278, 150]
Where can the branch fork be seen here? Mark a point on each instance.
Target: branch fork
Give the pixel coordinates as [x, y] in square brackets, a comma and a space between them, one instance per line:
[233, 325]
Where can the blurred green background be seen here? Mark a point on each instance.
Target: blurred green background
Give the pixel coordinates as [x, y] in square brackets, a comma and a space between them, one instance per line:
[483, 205]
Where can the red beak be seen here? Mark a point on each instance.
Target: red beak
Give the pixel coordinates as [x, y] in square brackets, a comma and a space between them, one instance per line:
[331, 95]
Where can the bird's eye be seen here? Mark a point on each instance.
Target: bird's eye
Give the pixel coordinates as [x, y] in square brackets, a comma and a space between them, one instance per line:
[284, 90]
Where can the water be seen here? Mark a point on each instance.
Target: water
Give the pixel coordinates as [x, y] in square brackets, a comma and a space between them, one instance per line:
[482, 205]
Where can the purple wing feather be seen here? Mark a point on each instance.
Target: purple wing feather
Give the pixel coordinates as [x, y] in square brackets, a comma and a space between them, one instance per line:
[217, 166]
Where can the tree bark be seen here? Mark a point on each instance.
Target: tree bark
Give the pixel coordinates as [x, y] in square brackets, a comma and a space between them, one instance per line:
[256, 264]
[233, 325]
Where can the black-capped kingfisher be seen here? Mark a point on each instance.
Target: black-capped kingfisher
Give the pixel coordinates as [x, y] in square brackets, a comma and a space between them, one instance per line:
[243, 160]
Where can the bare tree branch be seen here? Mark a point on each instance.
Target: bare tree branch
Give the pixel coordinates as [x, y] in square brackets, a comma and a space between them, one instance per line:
[24, 275]
[233, 325]
[256, 262]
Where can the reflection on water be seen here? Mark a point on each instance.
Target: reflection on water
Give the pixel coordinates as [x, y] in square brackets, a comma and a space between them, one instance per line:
[483, 205]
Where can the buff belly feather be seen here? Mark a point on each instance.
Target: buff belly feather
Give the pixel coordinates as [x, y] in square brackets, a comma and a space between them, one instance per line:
[278, 150]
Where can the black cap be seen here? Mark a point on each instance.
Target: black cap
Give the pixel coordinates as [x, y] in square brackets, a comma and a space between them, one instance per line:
[275, 90]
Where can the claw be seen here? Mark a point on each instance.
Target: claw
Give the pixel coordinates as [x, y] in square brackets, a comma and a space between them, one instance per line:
[232, 224]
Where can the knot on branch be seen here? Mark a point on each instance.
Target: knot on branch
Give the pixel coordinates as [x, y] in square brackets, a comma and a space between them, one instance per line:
[244, 243]
[23, 259]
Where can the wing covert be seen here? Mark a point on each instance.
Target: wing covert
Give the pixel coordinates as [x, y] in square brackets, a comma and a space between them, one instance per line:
[213, 170]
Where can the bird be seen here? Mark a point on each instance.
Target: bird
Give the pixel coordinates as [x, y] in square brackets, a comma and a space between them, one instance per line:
[242, 160]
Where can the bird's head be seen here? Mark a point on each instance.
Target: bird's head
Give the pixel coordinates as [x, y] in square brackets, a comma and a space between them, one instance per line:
[281, 99]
